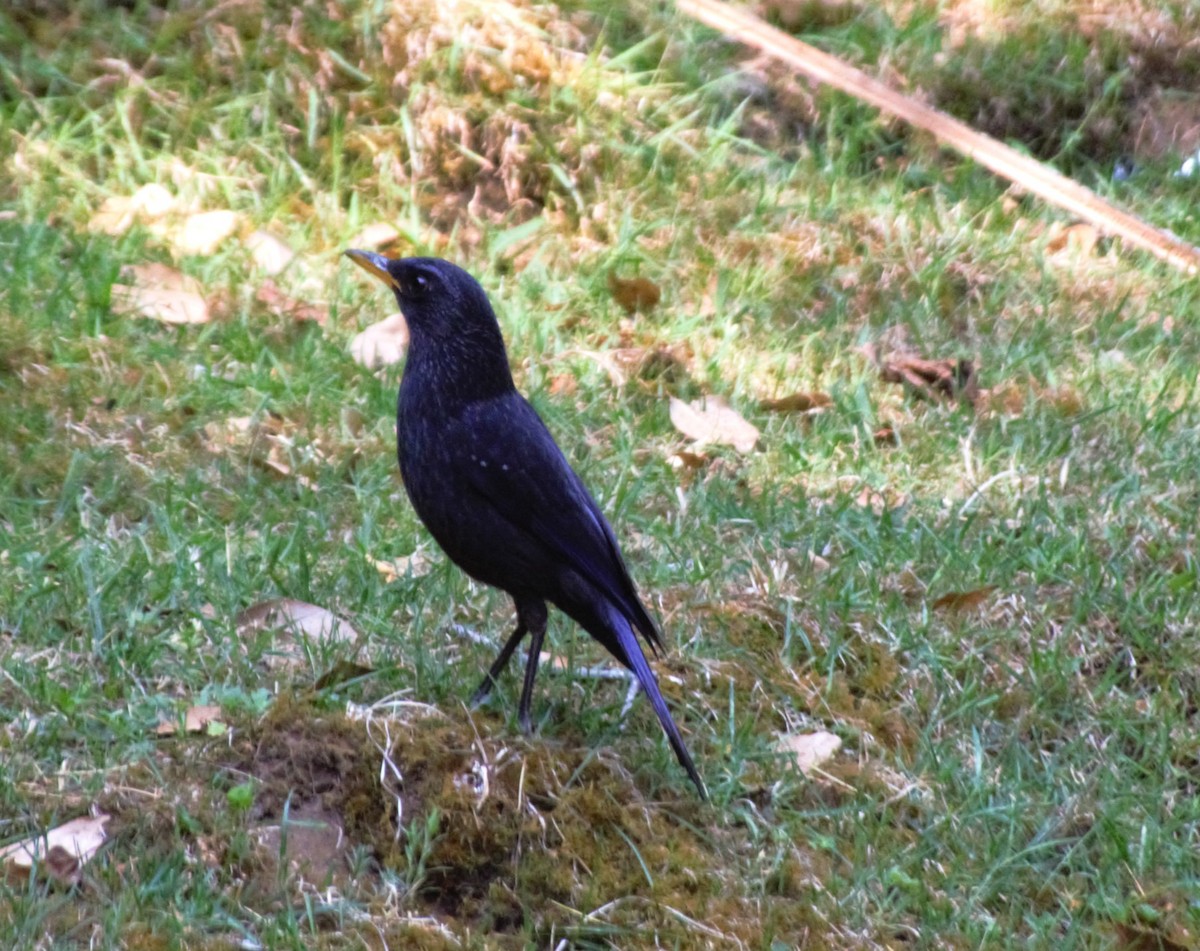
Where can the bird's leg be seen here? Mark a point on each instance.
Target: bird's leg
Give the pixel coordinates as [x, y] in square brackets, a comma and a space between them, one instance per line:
[485, 688]
[532, 613]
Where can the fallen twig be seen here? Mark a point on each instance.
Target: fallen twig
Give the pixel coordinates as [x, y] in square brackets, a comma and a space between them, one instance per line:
[1029, 173]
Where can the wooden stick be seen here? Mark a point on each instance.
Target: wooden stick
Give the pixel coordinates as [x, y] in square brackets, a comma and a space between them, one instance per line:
[1030, 174]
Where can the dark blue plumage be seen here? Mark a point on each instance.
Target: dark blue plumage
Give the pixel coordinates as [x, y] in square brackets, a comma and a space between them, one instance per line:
[493, 488]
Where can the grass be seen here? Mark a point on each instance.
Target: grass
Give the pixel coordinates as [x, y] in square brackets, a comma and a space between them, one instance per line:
[1020, 773]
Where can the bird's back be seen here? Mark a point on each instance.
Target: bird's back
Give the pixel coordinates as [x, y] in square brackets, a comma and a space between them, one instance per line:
[490, 483]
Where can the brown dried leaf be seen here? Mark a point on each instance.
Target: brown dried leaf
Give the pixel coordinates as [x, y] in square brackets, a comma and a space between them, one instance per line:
[160, 293]
[666, 365]
[268, 443]
[962, 601]
[635, 293]
[932, 379]
[879, 502]
[1078, 239]
[269, 253]
[868, 498]
[257, 431]
[660, 364]
[61, 853]
[798, 403]
[309, 620]
[202, 233]
[711, 419]
[416, 565]
[685, 459]
[563, 384]
[298, 623]
[195, 720]
[817, 563]
[283, 305]
[381, 344]
[1007, 398]
[118, 213]
[375, 237]
[154, 274]
[886, 436]
[809, 750]
[275, 461]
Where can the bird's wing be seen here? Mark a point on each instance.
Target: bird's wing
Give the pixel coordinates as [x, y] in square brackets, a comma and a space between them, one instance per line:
[529, 483]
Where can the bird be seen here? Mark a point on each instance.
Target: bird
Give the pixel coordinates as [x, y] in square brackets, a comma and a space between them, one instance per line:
[489, 482]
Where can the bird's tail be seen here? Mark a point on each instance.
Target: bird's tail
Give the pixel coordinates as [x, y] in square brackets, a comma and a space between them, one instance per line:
[636, 661]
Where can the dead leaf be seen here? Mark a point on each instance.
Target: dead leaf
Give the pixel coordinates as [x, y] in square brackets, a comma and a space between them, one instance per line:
[269, 253]
[686, 459]
[1077, 239]
[563, 384]
[155, 274]
[268, 442]
[635, 293]
[817, 563]
[666, 365]
[654, 365]
[61, 852]
[416, 565]
[549, 661]
[195, 720]
[879, 501]
[1007, 398]
[375, 237]
[961, 601]
[117, 213]
[381, 344]
[237, 430]
[282, 305]
[797, 403]
[886, 436]
[306, 623]
[809, 750]
[275, 461]
[711, 419]
[160, 292]
[929, 379]
[202, 233]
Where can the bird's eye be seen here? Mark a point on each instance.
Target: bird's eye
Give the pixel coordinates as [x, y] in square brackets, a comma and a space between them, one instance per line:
[417, 285]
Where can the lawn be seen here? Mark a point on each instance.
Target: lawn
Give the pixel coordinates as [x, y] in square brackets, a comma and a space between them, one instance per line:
[961, 541]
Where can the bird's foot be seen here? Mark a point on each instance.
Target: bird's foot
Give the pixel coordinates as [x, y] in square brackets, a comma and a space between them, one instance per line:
[480, 696]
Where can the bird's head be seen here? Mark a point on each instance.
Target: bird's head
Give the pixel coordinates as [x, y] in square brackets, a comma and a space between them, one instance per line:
[438, 299]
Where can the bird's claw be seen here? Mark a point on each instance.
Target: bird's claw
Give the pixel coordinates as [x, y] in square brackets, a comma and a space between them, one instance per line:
[480, 696]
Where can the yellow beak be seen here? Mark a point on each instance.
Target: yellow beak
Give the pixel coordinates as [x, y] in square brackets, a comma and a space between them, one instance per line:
[375, 264]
